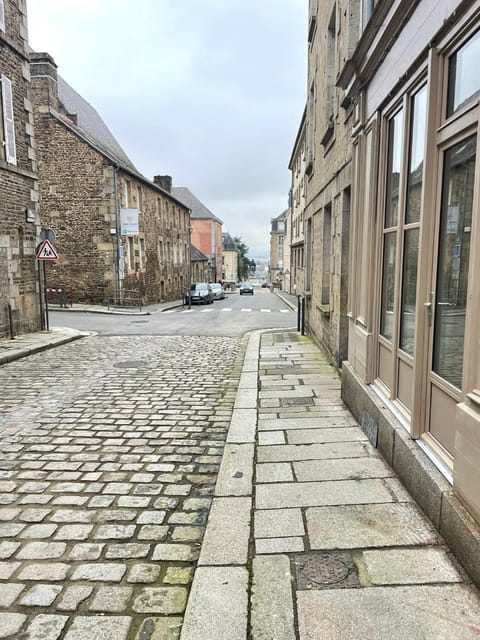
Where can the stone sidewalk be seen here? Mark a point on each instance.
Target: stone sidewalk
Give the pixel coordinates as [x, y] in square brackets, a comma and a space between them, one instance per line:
[310, 535]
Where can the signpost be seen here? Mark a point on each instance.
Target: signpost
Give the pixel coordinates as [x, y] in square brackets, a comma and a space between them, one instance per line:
[45, 252]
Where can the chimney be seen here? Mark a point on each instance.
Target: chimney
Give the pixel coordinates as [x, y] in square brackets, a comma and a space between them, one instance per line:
[165, 182]
[43, 71]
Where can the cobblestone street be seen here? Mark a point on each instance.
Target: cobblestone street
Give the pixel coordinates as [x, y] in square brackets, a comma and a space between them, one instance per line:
[110, 451]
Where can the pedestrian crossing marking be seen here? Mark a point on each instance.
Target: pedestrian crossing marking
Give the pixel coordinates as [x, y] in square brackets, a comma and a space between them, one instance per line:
[228, 310]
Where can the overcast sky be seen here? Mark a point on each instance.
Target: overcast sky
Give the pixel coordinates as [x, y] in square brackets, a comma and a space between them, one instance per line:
[210, 92]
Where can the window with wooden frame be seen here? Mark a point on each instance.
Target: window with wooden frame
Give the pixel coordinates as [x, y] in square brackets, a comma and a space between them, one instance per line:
[405, 131]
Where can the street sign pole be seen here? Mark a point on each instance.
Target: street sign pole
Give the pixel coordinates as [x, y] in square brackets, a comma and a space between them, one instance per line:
[45, 252]
[47, 324]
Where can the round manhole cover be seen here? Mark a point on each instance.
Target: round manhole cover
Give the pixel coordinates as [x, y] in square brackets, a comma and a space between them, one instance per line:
[129, 364]
[324, 569]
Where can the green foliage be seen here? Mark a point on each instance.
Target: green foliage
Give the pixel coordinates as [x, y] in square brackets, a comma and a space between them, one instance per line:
[246, 267]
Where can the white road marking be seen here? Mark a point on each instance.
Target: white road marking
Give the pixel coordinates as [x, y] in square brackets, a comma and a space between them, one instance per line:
[246, 310]
[206, 310]
[266, 310]
[227, 309]
[285, 311]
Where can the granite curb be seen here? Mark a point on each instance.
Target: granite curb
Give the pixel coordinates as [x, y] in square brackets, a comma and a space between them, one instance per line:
[28, 344]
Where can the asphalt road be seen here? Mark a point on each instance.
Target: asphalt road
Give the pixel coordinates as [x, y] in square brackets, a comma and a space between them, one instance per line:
[234, 316]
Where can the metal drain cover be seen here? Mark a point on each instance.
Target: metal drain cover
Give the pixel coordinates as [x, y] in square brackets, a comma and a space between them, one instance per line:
[129, 364]
[326, 571]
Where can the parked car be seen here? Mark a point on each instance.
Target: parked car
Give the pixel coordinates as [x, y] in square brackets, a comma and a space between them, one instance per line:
[218, 292]
[200, 293]
[246, 287]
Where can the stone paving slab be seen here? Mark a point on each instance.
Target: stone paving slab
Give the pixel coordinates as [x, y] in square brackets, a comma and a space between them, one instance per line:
[338, 469]
[409, 566]
[235, 474]
[368, 525]
[217, 607]
[226, 537]
[339, 434]
[309, 494]
[292, 453]
[271, 601]
[305, 422]
[396, 613]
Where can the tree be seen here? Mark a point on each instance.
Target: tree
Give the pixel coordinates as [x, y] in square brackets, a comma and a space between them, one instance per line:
[245, 265]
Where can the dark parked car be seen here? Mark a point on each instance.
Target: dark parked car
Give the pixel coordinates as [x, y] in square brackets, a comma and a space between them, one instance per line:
[246, 287]
[200, 293]
[218, 292]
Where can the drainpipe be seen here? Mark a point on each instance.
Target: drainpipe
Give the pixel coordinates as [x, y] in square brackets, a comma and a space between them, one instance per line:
[119, 246]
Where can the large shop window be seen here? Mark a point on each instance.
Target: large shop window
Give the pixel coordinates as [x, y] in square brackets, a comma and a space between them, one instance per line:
[411, 230]
[453, 258]
[394, 164]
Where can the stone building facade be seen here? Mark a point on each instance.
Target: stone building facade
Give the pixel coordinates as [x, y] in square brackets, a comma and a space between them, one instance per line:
[277, 246]
[206, 231]
[328, 124]
[298, 191]
[392, 235]
[119, 236]
[19, 219]
[229, 260]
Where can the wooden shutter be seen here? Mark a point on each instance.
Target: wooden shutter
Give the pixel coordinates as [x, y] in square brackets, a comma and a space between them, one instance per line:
[2, 16]
[8, 124]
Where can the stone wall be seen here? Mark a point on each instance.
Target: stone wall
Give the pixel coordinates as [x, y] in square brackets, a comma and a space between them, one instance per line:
[328, 167]
[19, 299]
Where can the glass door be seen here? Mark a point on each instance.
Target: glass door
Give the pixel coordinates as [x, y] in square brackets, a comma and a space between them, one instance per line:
[449, 300]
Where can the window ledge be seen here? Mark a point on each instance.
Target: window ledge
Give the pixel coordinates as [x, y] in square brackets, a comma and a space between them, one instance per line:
[324, 309]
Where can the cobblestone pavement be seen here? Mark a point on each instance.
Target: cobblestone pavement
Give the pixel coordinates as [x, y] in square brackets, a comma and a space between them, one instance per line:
[110, 451]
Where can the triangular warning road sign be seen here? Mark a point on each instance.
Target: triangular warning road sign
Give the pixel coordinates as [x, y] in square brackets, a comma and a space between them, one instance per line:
[47, 251]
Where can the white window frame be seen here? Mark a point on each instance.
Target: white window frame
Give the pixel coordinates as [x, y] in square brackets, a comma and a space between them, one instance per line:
[2, 16]
[8, 121]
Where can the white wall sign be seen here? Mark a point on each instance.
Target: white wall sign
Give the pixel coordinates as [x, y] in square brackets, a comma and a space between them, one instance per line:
[129, 222]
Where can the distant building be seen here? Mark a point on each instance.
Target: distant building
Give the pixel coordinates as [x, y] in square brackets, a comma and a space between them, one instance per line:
[230, 259]
[200, 266]
[118, 234]
[298, 191]
[277, 243]
[19, 219]
[206, 230]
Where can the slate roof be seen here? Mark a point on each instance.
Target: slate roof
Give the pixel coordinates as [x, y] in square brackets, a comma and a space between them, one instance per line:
[91, 124]
[197, 255]
[199, 210]
[228, 243]
[91, 128]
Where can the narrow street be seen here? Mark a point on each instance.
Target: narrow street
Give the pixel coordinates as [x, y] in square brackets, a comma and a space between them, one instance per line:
[110, 452]
[199, 487]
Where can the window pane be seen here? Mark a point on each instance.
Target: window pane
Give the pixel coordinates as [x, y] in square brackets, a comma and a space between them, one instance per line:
[409, 291]
[388, 285]
[417, 150]
[464, 79]
[453, 256]
[393, 170]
